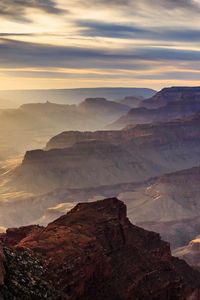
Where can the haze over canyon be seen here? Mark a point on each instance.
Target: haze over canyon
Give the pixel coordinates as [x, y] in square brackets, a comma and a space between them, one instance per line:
[99, 150]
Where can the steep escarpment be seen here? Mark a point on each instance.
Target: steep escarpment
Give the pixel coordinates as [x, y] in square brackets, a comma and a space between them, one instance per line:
[91, 159]
[86, 164]
[30, 125]
[104, 256]
[167, 105]
[157, 133]
[169, 205]
[171, 191]
[167, 95]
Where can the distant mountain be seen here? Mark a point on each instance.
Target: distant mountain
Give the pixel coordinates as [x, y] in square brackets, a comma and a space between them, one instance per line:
[32, 124]
[80, 160]
[177, 94]
[132, 102]
[102, 106]
[167, 105]
[93, 252]
[72, 96]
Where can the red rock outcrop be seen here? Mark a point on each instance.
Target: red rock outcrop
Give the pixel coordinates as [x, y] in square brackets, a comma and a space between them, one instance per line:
[94, 252]
[15, 235]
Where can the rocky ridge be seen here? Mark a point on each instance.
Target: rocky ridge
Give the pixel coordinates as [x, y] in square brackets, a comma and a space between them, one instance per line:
[103, 256]
[167, 105]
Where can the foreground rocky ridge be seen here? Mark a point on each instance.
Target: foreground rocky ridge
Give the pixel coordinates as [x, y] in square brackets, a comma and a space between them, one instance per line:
[103, 256]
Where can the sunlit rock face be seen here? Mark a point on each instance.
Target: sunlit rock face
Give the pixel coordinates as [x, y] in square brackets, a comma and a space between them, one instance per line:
[167, 105]
[190, 253]
[94, 252]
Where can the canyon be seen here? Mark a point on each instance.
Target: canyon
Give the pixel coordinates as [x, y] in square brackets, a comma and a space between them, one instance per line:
[152, 165]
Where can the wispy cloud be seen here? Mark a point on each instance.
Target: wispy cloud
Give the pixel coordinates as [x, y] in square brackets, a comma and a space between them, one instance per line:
[102, 29]
[23, 54]
[18, 9]
[99, 41]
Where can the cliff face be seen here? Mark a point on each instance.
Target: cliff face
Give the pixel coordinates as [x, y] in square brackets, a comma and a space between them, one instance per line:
[161, 133]
[169, 205]
[167, 95]
[94, 252]
[131, 155]
[31, 125]
[167, 105]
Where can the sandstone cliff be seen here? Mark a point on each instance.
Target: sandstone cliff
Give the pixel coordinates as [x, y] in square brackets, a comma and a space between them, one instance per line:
[94, 252]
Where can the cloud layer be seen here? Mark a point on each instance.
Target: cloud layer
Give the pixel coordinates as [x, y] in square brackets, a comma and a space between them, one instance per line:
[18, 9]
[48, 43]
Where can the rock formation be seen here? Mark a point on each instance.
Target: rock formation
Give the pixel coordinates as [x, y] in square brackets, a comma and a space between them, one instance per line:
[94, 252]
[91, 159]
[172, 94]
[72, 96]
[132, 102]
[167, 105]
[30, 125]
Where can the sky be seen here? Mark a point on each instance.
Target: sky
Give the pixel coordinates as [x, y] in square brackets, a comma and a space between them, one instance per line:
[98, 43]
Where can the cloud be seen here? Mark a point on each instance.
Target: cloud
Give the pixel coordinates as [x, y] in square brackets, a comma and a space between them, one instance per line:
[22, 54]
[17, 9]
[113, 30]
[120, 39]
[15, 34]
[164, 3]
[102, 29]
[180, 75]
